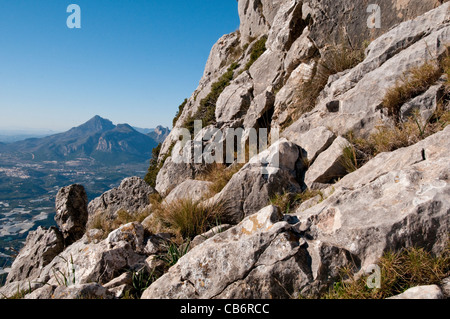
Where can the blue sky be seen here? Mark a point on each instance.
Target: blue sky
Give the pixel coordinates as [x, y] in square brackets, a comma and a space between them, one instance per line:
[131, 62]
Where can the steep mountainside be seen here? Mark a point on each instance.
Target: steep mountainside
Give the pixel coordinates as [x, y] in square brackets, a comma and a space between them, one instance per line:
[304, 44]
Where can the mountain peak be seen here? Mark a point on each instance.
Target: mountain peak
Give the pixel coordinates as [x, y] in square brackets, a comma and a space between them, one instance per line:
[99, 119]
[97, 123]
[125, 127]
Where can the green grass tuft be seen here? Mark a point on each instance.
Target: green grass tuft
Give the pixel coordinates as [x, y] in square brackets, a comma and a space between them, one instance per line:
[258, 48]
[155, 166]
[179, 112]
[207, 108]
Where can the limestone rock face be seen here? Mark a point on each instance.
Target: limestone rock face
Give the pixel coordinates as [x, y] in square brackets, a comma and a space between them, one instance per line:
[421, 292]
[132, 196]
[173, 174]
[237, 95]
[288, 97]
[84, 262]
[190, 189]
[265, 72]
[210, 233]
[354, 16]
[328, 165]
[229, 263]
[251, 188]
[425, 104]
[253, 17]
[83, 291]
[44, 292]
[398, 199]
[313, 142]
[41, 246]
[299, 33]
[132, 233]
[395, 201]
[287, 26]
[445, 285]
[71, 212]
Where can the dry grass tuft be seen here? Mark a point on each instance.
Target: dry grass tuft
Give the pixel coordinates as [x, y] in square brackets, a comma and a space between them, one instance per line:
[388, 138]
[186, 218]
[219, 175]
[288, 202]
[107, 224]
[336, 59]
[400, 271]
[413, 83]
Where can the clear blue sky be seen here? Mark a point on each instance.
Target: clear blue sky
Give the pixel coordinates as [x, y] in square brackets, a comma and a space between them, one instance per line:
[131, 62]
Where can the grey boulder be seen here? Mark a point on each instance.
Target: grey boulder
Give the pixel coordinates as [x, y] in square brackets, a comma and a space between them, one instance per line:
[71, 212]
[41, 246]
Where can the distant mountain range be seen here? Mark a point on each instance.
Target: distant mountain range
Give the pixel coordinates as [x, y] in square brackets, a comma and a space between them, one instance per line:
[159, 134]
[98, 139]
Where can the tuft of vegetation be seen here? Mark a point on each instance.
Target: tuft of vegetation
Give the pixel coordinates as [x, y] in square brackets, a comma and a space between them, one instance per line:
[107, 224]
[186, 218]
[342, 57]
[207, 108]
[179, 112]
[288, 202]
[65, 278]
[258, 48]
[174, 253]
[20, 294]
[335, 60]
[219, 175]
[349, 159]
[406, 132]
[445, 65]
[140, 281]
[413, 83]
[388, 138]
[400, 271]
[155, 166]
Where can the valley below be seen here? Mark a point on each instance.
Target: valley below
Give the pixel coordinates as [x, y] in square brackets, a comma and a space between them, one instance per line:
[28, 189]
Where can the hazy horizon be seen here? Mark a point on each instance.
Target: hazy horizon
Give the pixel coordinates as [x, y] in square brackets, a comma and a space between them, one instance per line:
[132, 62]
[45, 130]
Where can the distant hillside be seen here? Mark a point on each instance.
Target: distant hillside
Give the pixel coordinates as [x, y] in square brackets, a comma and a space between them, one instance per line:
[15, 135]
[143, 130]
[159, 134]
[98, 138]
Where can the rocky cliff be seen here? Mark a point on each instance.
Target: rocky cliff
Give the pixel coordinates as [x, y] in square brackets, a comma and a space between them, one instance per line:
[360, 167]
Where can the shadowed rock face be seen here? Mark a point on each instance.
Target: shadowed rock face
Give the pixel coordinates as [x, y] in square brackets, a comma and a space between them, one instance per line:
[71, 212]
[250, 189]
[353, 15]
[41, 247]
[132, 195]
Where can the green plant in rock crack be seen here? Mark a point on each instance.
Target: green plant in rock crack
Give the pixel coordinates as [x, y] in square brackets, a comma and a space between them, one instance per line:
[141, 280]
[174, 253]
[65, 278]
